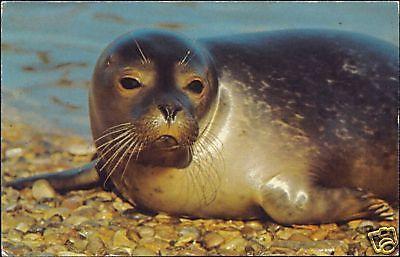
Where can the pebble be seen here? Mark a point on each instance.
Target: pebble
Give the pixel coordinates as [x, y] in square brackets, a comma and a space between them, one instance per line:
[166, 232]
[55, 249]
[41, 189]
[192, 252]
[124, 251]
[132, 235]
[68, 253]
[24, 223]
[324, 245]
[121, 206]
[142, 251]
[120, 239]
[264, 239]
[319, 235]
[248, 232]
[255, 225]
[81, 149]
[75, 220]
[62, 212]
[366, 226]
[188, 234]
[354, 224]
[15, 235]
[13, 153]
[299, 237]
[212, 240]
[284, 233]
[145, 232]
[329, 227]
[282, 251]
[87, 211]
[338, 251]
[95, 245]
[236, 244]
[72, 202]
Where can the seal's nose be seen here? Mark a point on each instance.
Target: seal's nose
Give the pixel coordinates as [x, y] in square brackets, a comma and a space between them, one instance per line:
[169, 111]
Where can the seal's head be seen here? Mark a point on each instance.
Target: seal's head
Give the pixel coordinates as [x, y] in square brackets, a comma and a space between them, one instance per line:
[150, 93]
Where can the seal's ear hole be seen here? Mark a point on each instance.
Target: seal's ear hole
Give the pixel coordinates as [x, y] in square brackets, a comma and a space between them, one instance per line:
[130, 83]
[195, 87]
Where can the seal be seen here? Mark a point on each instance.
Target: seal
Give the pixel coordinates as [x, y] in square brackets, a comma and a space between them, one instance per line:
[298, 125]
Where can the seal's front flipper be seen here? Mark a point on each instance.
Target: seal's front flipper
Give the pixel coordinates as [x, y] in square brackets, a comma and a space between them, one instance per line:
[78, 178]
[295, 201]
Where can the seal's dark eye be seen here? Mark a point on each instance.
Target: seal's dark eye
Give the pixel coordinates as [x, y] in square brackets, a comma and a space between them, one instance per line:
[195, 87]
[130, 83]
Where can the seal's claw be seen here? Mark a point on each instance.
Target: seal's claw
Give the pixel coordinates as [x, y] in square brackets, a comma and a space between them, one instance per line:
[378, 208]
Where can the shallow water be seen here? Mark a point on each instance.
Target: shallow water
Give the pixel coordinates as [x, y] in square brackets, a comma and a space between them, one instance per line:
[49, 49]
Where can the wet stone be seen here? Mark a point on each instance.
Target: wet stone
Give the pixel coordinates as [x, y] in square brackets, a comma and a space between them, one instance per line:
[120, 239]
[121, 206]
[236, 244]
[75, 220]
[299, 237]
[142, 251]
[255, 225]
[13, 153]
[319, 235]
[145, 232]
[135, 215]
[188, 234]
[42, 189]
[95, 245]
[81, 149]
[248, 232]
[367, 226]
[212, 240]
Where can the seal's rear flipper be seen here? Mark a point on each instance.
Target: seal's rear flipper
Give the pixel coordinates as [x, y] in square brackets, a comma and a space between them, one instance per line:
[291, 200]
[78, 178]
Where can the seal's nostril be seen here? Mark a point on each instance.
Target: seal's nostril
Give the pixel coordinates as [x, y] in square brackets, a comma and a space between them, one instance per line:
[164, 111]
[169, 111]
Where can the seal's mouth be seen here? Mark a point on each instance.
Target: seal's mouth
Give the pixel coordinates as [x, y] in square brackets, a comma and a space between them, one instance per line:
[166, 142]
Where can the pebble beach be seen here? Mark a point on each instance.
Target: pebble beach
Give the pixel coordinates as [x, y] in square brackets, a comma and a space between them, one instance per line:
[38, 221]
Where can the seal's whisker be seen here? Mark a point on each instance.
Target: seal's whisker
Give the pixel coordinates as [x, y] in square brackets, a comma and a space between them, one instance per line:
[117, 126]
[212, 143]
[109, 159]
[115, 154]
[187, 179]
[132, 140]
[142, 143]
[108, 132]
[190, 58]
[196, 185]
[184, 58]
[205, 172]
[208, 159]
[133, 144]
[108, 143]
[144, 58]
[103, 155]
